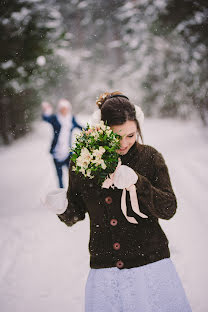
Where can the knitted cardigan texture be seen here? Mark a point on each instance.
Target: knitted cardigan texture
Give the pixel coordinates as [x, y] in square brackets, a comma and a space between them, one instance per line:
[113, 240]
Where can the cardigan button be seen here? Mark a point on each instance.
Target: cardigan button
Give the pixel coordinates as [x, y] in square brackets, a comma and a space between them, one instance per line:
[108, 200]
[113, 222]
[116, 246]
[119, 264]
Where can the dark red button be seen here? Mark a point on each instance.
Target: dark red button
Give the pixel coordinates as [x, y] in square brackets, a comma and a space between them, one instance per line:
[116, 246]
[119, 264]
[108, 200]
[113, 222]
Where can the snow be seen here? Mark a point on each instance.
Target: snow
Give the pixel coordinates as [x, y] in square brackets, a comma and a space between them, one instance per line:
[44, 263]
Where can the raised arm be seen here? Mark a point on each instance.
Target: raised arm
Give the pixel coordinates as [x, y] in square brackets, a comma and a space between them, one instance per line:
[47, 112]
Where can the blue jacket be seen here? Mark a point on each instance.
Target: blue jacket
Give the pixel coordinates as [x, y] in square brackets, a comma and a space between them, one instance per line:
[53, 120]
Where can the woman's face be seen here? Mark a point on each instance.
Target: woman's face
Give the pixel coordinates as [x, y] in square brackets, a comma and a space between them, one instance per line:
[128, 131]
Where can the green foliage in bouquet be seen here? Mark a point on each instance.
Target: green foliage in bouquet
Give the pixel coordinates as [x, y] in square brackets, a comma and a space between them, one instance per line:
[94, 154]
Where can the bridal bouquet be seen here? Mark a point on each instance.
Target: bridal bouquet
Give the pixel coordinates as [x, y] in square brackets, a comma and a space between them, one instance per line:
[94, 154]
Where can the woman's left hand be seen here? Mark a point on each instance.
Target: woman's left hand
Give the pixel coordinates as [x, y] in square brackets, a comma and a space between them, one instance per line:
[56, 201]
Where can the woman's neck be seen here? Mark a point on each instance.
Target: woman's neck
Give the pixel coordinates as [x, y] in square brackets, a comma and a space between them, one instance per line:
[128, 156]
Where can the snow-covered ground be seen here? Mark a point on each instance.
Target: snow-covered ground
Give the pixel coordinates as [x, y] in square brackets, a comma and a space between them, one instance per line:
[44, 264]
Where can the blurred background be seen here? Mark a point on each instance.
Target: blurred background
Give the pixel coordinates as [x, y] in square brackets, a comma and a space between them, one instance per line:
[155, 52]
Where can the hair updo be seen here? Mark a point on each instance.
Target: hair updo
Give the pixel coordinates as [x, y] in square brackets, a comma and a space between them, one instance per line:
[117, 110]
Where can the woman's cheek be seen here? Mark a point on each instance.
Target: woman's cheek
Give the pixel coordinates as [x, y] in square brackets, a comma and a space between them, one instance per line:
[132, 140]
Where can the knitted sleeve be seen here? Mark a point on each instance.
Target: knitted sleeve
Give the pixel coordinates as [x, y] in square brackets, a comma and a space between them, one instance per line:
[157, 197]
[76, 208]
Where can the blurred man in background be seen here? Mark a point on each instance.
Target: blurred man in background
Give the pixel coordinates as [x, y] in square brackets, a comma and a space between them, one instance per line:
[63, 124]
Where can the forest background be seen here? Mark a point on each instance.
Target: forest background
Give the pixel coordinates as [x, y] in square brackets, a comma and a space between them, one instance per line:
[154, 51]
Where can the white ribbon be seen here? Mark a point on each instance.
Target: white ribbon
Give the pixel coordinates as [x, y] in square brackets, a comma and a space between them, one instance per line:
[119, 181]
[134, 204]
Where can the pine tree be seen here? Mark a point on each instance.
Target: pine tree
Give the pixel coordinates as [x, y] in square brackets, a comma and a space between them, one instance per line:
[28, 35]
[184, 25]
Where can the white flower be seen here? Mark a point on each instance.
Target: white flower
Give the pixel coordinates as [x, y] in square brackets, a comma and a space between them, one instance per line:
[79, 161]
[108, 132]
[101, 149]
[95, 134]
[82, 170]
[85, 152]
[101, 125]
[99, 152]
[89, 174]
[85, 155]
[83, 161]
[98, 161]
[103, 165]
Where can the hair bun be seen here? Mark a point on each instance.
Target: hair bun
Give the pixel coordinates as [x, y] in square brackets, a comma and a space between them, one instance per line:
[104, 96]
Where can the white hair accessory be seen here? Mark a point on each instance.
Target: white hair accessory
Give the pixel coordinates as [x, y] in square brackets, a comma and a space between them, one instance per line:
[96, 116]
[139, 115]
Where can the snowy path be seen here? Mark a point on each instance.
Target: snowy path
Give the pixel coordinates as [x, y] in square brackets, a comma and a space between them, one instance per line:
[44, 264]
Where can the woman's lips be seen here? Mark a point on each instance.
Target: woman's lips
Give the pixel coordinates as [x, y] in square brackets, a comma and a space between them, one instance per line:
[122, 149]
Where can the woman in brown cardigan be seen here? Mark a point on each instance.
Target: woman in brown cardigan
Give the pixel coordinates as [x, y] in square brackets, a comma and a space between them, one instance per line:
[130, 263]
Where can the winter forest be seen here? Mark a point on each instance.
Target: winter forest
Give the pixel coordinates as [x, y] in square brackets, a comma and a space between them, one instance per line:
[155, 52]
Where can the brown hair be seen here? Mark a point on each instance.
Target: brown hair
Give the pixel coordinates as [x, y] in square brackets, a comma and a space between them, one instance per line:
[117, 110]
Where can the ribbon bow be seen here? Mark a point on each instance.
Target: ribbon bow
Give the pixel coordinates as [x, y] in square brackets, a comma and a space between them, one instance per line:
[109, 182]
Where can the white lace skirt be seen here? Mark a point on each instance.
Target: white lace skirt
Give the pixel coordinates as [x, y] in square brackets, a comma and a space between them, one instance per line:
[155, 287]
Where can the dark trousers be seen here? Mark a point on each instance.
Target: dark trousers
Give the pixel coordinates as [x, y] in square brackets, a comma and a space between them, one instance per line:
[59, 169]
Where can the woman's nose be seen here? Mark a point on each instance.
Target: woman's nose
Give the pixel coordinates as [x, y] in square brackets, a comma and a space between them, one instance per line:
[123, 142]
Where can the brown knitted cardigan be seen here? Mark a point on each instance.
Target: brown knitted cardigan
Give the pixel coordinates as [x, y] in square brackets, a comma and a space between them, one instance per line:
[113, 240]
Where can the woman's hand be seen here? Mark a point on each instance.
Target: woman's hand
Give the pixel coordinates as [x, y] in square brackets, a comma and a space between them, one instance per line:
[46, 108]
[56, 201]
[124, 177]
